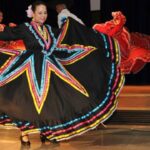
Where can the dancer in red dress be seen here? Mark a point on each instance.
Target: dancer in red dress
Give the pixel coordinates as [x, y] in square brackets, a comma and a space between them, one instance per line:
[135, 47]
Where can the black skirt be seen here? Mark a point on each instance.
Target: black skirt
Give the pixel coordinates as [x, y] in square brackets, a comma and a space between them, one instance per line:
[66, 92]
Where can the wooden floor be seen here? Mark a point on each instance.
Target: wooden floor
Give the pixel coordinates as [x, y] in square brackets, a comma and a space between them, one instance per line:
[134, 98]
[111, 138]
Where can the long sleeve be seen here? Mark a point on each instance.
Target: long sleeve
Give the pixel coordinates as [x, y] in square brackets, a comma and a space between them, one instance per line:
[64, 14]
[11, 33]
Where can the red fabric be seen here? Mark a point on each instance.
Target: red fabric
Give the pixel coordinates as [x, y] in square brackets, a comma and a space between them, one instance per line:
[135, 47]
[140, 40]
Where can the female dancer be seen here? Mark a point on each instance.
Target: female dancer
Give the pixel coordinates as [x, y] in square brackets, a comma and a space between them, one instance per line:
[63, 84]
[135, 47]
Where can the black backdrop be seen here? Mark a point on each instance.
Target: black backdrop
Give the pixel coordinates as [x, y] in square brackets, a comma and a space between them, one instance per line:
[136, 11]
[14, 11]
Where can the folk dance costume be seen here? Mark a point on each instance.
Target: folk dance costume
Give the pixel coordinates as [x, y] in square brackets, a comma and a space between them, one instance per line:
[135, 47]
[63, 84]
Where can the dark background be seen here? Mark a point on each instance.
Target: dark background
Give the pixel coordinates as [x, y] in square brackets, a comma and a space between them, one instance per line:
[136, 11]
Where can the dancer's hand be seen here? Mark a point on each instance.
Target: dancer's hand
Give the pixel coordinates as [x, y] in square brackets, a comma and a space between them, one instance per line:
[12, 24]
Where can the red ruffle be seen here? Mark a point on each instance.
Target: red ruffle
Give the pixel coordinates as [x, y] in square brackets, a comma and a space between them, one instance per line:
[135, 47]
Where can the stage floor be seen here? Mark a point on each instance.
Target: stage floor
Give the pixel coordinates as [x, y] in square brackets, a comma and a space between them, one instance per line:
[111, 138]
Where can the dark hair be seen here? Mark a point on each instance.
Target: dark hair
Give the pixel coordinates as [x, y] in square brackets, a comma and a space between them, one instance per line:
[36, 3]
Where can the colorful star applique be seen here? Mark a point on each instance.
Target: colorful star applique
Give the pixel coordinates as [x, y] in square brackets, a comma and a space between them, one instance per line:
[24, 62]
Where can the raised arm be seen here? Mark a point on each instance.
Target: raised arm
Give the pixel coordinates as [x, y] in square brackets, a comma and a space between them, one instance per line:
[64, 14]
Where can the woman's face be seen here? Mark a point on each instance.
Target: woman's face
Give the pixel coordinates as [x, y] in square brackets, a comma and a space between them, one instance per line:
[40, 14]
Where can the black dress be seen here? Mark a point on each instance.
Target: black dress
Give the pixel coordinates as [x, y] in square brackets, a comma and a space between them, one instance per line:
[61, 87]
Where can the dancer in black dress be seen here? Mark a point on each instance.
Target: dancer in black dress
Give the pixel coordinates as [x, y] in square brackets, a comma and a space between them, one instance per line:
[63, 84]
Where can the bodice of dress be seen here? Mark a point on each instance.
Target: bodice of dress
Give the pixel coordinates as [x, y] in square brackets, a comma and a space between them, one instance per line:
[32, 38]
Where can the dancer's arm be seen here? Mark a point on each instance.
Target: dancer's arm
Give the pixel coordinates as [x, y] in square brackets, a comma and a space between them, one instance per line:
[10, 33]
